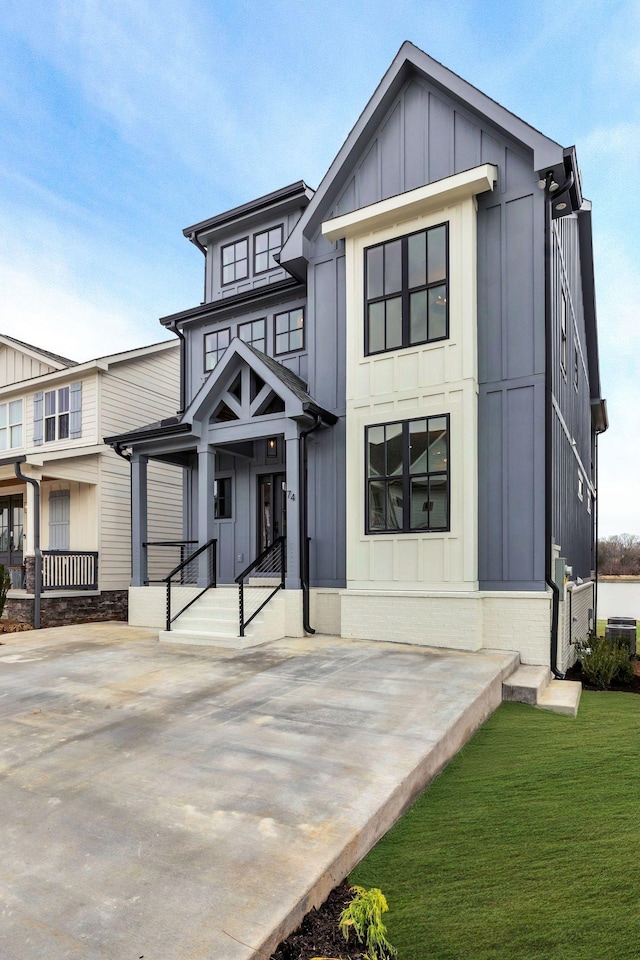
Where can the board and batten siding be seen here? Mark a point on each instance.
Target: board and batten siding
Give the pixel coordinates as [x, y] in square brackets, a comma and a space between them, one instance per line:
[16, 366]
[433, 379]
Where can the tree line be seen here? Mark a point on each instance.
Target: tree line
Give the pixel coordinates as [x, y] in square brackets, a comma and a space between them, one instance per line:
[619, 555]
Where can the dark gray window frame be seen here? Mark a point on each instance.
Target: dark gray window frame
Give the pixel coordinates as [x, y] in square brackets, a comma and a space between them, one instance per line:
[406, 478]
[278, 226]
[217, 351]
[281, 353]
[228, 515]
[249, 323]
[233, 243]
[406, 291]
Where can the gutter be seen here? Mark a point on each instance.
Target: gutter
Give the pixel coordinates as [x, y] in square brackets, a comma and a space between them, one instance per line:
[304, 522]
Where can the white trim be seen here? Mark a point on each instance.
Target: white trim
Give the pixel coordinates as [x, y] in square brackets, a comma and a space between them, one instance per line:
[413, 203]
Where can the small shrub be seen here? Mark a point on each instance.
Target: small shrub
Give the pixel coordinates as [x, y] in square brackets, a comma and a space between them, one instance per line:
[603, 661]
[5, 586]
[364, 917]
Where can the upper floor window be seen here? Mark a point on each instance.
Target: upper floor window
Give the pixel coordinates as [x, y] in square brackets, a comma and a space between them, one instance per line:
[265, 245]
[254, 332]
[235, 261]
[289, 329]
[215, 345]
[11, 425]
[56, 414]
[406, 283]
[408, 476]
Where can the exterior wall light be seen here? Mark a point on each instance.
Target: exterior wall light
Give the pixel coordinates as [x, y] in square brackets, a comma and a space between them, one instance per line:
[272, 448]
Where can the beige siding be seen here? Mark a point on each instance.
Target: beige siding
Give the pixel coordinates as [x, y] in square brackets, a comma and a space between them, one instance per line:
[16, 366]
[89, 419]
[164, 489]
[83, 527]
[164, 512]
[140, 391]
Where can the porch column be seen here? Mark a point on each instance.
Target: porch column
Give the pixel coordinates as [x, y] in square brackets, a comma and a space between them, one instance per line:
[139, 533]
[292, 581]
[206, 477]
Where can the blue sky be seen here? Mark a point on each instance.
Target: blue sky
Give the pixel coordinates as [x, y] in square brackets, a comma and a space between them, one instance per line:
[123, 122]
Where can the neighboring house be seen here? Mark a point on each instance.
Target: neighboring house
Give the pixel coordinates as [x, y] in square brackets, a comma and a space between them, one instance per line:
[61, 485]
[399, 372]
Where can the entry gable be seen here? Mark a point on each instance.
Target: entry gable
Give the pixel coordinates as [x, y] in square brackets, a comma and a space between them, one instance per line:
[245, 384]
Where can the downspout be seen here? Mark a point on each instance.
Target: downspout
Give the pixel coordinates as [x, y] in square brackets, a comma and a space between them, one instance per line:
[304, 522]
[118, 447]
[194, 239]
[37, 587]
[548, 427]
[183, 353]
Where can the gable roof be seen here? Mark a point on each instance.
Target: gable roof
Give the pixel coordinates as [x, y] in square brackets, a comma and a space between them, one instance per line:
[53, 359]
[410, 60]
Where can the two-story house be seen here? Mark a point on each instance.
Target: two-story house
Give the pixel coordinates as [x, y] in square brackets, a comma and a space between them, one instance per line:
[65, 495]
[398, 374]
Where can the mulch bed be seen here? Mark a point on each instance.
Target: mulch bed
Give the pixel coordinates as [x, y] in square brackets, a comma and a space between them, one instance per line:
[318, 934]
[14, 626]
[575, 673]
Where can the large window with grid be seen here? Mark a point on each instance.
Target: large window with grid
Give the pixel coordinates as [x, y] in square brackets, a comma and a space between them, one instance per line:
[11, 435]
[265, 245]
[289, 331]
[408, 476]
[406, 290]
[56, 414]
[254, 332]
[215, 345]
[235, 261]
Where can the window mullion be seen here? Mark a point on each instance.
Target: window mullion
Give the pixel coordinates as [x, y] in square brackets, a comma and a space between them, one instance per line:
[405, 291]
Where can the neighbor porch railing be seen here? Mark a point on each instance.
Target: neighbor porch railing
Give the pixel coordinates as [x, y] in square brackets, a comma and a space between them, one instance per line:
[197, 571]
[69, 570]
[267, 573]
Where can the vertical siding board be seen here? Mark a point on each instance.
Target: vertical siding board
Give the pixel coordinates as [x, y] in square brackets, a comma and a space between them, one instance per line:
[325, 320]
[368, 178]
[520, 495]
[391, 154]
[490, 482]
[467, 143]
[440, 139]
[490, 348]
[415, 136]
[519, 293]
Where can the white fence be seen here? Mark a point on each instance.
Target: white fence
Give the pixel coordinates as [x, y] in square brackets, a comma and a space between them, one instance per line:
[618, 598]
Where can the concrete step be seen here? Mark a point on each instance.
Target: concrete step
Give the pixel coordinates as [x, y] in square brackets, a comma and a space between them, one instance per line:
[526, 684]
[561, 696]
[209, 639]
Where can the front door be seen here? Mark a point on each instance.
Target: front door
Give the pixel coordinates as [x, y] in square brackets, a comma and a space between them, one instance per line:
[272, 509]
[11, 530]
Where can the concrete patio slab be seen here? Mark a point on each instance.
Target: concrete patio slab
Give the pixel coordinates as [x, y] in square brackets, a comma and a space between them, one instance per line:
[174, 802]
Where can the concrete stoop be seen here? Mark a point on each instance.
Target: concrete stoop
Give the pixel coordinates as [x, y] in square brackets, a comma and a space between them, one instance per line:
[213, 620]
[534, 686]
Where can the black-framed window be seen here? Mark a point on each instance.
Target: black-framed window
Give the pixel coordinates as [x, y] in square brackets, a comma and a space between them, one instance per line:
[215, 344]
[289, 331]
[406, 290]
[235, 261]
[408, 476]
[255, 333]
[56, 414]
[222, 504]
[265, 245]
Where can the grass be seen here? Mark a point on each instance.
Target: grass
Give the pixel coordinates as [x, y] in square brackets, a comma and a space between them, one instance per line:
[526, 846]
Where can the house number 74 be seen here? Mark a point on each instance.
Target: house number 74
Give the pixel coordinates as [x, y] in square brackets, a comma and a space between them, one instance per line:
[290, 495]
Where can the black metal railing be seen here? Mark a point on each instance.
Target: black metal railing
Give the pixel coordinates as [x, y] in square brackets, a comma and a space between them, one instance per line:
[268, 571]
[162, 554]
[69, 570]
[197, 570]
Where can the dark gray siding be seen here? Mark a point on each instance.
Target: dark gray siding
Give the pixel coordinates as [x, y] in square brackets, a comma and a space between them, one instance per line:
[426, 136]
[573, 524]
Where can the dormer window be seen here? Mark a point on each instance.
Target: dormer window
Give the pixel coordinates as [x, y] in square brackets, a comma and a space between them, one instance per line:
[235, 261]
[265, 245]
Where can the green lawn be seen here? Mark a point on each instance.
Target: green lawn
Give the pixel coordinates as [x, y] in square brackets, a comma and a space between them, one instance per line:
[528, 844]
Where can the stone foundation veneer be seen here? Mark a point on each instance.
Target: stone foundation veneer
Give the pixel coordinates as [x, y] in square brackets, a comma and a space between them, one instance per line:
[59, 611]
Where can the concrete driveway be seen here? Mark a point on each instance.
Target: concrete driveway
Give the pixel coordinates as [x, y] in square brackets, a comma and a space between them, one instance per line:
[174, 803]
